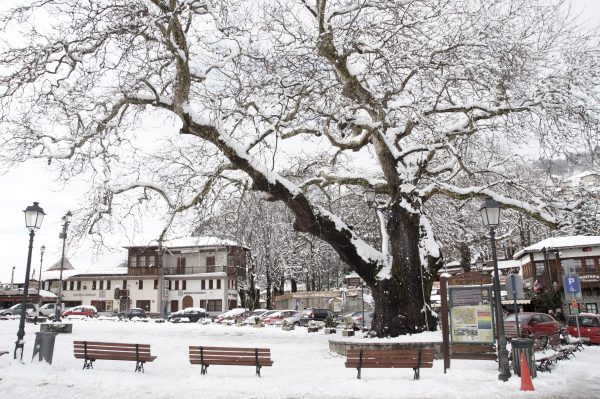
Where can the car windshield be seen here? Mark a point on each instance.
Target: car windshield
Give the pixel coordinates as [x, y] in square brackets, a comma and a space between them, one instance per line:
[513, 317]
[584, 321]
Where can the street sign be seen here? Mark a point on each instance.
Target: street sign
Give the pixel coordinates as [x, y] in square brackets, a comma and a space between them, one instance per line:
[514, 287]
[571, 283]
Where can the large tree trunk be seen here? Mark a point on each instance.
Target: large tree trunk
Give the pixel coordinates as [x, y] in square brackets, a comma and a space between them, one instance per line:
[400, 304]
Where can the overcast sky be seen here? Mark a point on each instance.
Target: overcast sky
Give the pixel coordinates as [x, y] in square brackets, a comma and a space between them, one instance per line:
[31, 182]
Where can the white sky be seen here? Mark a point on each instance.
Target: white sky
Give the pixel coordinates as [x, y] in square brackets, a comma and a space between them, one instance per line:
[32, 182]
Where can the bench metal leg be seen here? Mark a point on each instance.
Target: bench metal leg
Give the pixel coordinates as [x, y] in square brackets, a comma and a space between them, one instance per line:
[87, 364]
[417, 373]
[139, 366]
[258, 371]
[203, 369]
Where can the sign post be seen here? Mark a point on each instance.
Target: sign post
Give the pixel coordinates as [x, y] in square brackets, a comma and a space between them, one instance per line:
[514, 291]
[573, 287]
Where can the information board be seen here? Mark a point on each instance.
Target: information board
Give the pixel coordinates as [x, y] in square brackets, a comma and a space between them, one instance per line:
[471, 318]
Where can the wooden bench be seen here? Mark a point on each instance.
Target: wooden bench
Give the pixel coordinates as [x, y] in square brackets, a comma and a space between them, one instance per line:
[393, 358]
[473, 351]
[544, 363]
[92, 351]
[214, 355]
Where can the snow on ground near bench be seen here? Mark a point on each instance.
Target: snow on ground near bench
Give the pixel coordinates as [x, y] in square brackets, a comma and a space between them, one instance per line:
[303, 368]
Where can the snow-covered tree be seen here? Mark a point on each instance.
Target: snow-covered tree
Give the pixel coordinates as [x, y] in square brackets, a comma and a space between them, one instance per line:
[172, 105]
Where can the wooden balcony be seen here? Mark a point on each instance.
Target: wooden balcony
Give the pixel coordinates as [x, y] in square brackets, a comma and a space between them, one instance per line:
[155, 271]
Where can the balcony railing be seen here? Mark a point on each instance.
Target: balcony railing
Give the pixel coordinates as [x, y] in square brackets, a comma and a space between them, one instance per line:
[155, 271]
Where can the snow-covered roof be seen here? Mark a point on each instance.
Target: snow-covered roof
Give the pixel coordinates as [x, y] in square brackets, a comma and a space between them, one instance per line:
[185, 242]
[560, 243]
[581, 175]
[65, 266]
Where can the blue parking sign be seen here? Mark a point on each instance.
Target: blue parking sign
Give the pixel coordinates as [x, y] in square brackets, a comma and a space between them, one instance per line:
[571, 282]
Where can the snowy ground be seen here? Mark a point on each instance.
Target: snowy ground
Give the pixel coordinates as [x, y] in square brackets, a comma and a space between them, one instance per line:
[303, 368]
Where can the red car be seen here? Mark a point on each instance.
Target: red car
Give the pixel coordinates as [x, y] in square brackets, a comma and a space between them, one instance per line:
[531, 325]
[277, 318]
[82, 310]
[589, 327]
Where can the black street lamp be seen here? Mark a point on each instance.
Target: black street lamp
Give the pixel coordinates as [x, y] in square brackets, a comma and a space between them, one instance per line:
[66, 219]
[490, 212]
[34, 215]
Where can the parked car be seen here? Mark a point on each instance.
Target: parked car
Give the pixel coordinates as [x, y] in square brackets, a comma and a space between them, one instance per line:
[294, 318]
[81, 310]
[251, 317]
[315, 314]
[15, 310]
[277, 317]
[232, 316]
[131, 313]
[589, 327]
[48, 310]
[531, 325]
[191, 314]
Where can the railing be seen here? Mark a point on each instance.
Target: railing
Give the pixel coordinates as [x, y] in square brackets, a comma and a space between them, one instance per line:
[155, 271]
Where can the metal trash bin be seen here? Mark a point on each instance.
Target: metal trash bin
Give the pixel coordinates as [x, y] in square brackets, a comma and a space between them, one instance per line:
[44, 346]
[523, 345]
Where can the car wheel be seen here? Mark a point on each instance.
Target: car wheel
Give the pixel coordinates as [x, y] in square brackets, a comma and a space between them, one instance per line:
[297, 324]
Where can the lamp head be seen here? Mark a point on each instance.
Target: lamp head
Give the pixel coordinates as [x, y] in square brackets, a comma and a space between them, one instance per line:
[34, 215]
[369, 195]
[490, 212]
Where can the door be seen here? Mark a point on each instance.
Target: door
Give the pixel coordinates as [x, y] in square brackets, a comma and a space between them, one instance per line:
[187, 302]
[174, 305]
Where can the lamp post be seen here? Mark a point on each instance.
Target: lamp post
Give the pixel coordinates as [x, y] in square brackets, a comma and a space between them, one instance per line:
[34, 215]
[66, 219]
[490, 212]
[42, 250]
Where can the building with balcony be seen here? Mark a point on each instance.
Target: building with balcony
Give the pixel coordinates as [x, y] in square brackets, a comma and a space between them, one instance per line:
[544, 263]
[192, 272]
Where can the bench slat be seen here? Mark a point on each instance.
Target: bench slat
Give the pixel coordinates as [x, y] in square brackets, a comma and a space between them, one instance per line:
[233, 362]
[117, 357]
[424, 356]
[226, 349]
[110, 344]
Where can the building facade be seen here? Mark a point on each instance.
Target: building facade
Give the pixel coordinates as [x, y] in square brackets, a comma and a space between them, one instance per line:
[193, 272]
[543, 264]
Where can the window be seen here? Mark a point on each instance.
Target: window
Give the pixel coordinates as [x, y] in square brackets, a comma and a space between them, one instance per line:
[108, 284]
[578, 265]
[590, 264]
[183, 285]
[155, 284]
[101, 284]
[152, 261]
[79, 286]
[169, 284]
[132, 261]
[591, 308]
[210, 264]
[124, 284]
[141, 285]
[143, 305]
[93, 285]
[64, 287]
[218, 284]
[210, 284]
[202, 285]
[180, 265]
[176, 285]
[539, 269]
[214, 305]
[203, 303]
[142, 261]
[71, 285]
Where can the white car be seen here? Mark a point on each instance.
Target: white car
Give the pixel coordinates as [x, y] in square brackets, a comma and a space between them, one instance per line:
[230, 316]
[251, 319]
[48, 309]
